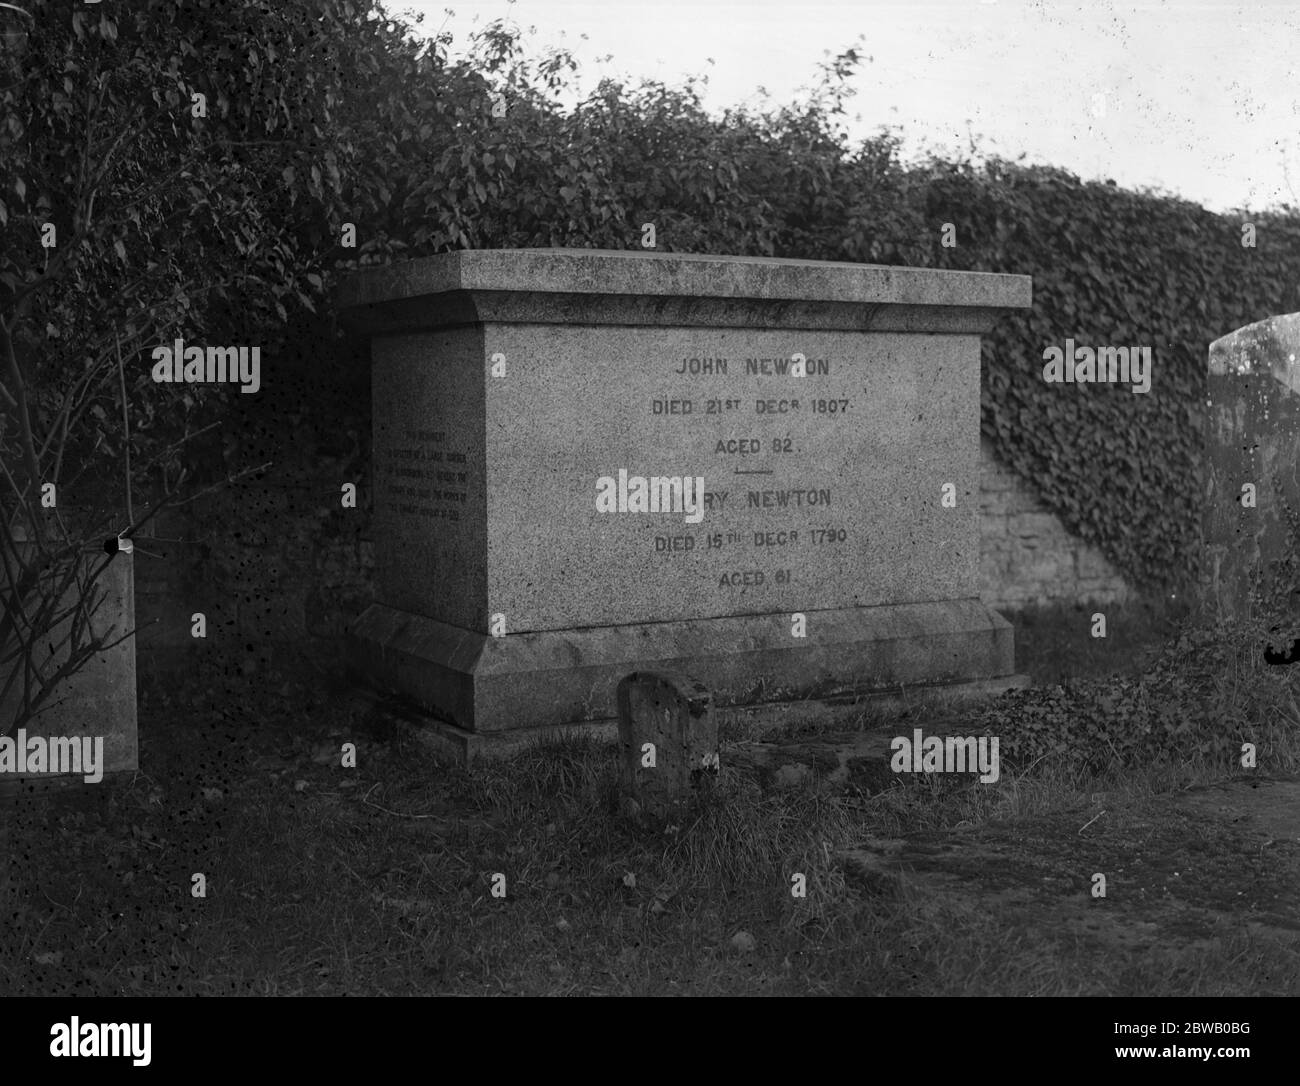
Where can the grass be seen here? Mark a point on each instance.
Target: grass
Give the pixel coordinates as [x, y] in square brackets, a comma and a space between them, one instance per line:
[378, 880]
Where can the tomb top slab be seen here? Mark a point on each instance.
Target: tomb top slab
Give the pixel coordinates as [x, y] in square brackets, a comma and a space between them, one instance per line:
[811, 293]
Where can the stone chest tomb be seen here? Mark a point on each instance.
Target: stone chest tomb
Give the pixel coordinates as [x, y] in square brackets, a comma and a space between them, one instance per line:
[763, 473]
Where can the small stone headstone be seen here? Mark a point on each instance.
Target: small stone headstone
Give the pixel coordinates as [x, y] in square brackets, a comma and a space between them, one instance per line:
[669, 740]
[1251, 517]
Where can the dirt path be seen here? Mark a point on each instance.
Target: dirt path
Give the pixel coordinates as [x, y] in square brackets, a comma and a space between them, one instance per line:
[1181, 870]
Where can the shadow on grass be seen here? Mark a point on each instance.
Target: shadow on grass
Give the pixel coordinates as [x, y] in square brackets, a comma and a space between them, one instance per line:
[1055, 644]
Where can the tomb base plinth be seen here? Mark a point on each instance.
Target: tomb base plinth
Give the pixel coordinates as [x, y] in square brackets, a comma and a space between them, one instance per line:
[555, 678]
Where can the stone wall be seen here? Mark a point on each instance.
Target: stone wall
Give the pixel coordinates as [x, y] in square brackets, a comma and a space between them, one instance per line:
[1027, 556]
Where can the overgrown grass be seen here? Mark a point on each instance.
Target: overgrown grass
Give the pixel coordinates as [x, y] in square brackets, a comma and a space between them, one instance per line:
[378, 880]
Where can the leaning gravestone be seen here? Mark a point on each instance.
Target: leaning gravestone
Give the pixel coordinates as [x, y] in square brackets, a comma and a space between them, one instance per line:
[1251, 519]
[763, 473]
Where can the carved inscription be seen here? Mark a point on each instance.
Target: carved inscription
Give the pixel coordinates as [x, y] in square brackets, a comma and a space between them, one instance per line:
[422, 478]
[771, 505]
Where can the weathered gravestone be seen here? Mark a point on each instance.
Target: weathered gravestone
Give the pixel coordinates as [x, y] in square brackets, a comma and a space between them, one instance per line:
[669, 741]
[1251, 513]
[763, 473]
[86, 727]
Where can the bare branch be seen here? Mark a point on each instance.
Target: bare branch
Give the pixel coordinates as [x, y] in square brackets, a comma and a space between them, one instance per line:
[24, 417]
[223, 482]
[126, 441]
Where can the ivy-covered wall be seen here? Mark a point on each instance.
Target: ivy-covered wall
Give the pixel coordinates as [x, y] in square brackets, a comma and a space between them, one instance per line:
[1123, 470]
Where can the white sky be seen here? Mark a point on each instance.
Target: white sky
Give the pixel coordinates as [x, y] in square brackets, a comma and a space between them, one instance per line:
[1201, 99]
